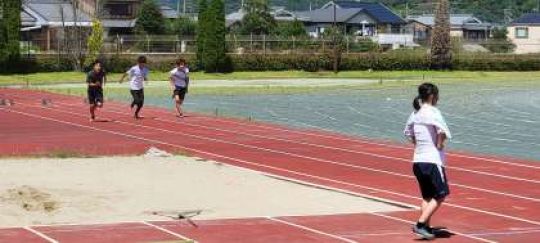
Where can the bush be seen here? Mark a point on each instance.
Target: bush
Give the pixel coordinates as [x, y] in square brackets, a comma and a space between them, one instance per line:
[392, 60]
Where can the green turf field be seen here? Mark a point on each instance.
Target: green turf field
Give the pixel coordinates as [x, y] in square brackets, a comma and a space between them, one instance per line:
[77, 77]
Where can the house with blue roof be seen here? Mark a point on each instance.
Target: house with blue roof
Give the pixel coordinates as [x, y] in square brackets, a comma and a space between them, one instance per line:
[524, 32]
[362, 19]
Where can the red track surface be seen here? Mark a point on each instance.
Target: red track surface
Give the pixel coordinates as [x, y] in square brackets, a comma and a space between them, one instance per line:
[493, 199]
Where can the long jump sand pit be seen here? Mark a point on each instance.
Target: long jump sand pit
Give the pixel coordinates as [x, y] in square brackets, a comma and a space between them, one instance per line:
[101, 190]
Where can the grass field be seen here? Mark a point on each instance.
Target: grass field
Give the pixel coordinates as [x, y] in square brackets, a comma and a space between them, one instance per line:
[77, 77]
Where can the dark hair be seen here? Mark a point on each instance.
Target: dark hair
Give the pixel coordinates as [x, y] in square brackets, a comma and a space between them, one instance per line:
[425, 90]
[141, 59]
[96, 62]
[416, 103]
[180, 61]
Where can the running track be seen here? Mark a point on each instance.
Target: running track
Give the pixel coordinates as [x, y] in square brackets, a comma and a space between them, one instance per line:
[493, 199]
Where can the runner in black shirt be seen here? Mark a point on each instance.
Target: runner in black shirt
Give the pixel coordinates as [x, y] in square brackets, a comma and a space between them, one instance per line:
[95, 79]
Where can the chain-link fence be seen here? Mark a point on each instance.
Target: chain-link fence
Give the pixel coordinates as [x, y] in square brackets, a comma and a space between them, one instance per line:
[260, 44]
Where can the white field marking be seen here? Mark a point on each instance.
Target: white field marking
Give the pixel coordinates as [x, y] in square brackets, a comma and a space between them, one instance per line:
[303, 157]
[334, 162]
[306, 157]
[452, 231]
[337, 237]
[44, 236]
[366, 142]
[507, 233]
[374, 234]
[166, 231]
[355, 140]
[267, 166]
[333, 148]
[302, 182]
[497, 132]
[502, 107]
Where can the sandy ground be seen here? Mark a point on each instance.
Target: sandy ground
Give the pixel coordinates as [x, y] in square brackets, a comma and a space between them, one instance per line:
[95, 190]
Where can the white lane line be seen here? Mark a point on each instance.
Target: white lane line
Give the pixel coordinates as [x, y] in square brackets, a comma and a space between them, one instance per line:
[507, 233]
[166, 231]
[365, 142]
[269, 167]
[42, 235]
[341, 149]
[452, 231]
[337, 237]
[266, 127]
[315, 159]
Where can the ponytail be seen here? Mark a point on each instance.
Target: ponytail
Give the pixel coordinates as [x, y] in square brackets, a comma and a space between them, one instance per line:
[416, 103]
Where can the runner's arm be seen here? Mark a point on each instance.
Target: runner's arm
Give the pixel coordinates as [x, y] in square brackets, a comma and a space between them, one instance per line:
[441, 139]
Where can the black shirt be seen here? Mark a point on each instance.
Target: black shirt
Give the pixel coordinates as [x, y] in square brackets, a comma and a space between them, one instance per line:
[95, 78]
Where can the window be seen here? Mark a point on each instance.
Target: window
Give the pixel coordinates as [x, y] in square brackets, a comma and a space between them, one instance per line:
[119, 9]
[522, 32]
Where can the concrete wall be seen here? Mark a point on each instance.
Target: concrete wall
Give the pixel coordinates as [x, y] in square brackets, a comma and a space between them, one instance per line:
[531, 44]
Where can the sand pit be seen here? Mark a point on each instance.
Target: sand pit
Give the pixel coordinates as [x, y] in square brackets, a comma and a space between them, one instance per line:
[100, 190]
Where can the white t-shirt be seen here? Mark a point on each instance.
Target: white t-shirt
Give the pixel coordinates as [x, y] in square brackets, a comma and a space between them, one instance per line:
[180, 76]
[424, 125]
[137, 77]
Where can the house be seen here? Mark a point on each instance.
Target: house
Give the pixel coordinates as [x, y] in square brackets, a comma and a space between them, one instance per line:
[46, 21]
[366, 19]
[280, 14]
[465, 26]
[119, 16]
[524, 32]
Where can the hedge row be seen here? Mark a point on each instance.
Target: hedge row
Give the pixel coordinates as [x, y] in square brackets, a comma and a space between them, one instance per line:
[398, 60]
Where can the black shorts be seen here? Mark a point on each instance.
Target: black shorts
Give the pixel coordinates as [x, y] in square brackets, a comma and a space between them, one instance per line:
[95, 95]
[138, 96]
[432, 180]
[180, 92]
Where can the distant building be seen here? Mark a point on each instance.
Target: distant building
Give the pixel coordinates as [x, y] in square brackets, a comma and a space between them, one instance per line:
[280, 14]
[366, 19]
[362, 19]
[465, 26]
[524, 32]
[44, 21]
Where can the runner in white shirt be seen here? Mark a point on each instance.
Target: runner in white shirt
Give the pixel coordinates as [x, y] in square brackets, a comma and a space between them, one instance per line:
[179, 78]
[137, 75]
[427, 130]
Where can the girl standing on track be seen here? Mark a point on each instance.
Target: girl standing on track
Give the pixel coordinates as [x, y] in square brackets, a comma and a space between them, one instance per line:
[96, 80]
[179, 78]
[427, 130]
[138, 74]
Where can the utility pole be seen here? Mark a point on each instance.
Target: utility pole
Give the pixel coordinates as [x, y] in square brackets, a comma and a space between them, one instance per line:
[185, 1]
[334, 39]
[178, 8]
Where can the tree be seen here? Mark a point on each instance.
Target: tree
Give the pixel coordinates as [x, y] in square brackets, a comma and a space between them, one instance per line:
[10, 24]
[201, 32]
[183, 26]
[215, 57]
[149, 19]
[441, 55]
[289, 29]
[500, 42]
[94, 42]
[257, 19]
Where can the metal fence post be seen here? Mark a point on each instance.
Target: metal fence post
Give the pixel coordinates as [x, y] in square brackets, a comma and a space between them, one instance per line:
[251, 42]
[347, 40]
[148, 43]
[294, 44]
[264, 44]
[117, 44]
